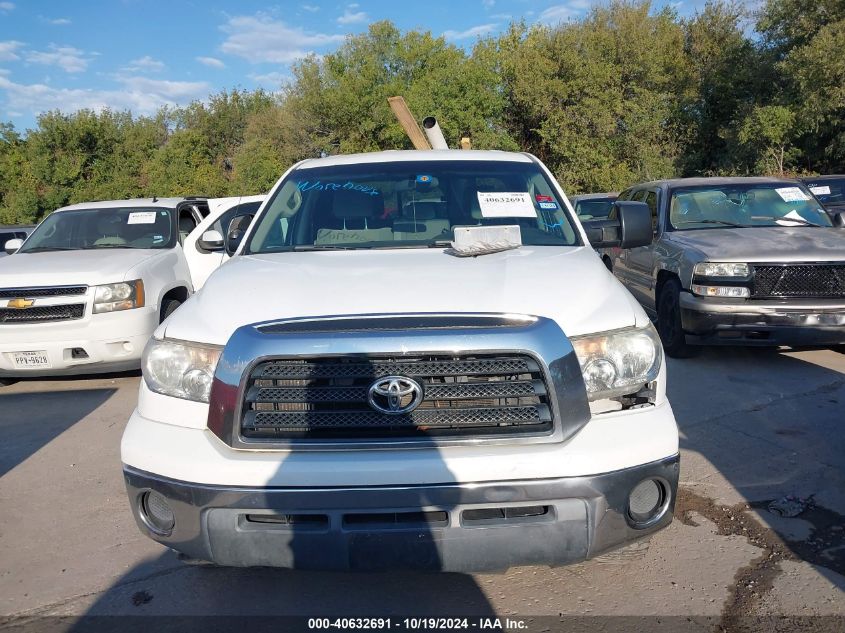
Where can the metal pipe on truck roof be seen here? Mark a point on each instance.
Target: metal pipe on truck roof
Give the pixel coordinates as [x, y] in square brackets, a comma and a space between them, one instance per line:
[434, 133]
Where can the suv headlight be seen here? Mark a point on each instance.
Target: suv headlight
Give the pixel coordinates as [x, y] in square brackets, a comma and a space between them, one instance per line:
[180, 369]
[121, 296]
[707, 275]
[721, 270]
[618, 363]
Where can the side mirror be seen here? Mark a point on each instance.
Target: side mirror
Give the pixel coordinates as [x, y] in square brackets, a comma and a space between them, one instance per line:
[237, 229]
[12, 246]
[838, 219]
[629, 229]
[211, 241]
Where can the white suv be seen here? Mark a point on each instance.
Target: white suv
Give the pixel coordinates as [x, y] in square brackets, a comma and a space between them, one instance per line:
[353, 391]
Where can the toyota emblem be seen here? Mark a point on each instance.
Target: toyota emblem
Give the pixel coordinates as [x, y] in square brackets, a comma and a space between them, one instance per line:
[395, 394]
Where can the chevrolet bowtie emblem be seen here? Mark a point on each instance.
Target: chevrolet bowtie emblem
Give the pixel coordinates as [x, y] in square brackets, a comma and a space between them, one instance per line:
[20, 303]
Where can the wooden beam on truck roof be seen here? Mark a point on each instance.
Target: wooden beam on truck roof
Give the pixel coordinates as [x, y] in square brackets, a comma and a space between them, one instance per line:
[408, 122]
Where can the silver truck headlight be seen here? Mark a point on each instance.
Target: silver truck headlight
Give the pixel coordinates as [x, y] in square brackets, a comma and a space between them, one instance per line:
[180, 369]
[121, 296]
[618, 363]
[721, 270]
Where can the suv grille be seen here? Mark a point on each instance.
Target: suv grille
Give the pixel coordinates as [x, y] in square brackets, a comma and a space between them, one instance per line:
[822, 281]
[41, 314]
[327, 398]
[46, 291]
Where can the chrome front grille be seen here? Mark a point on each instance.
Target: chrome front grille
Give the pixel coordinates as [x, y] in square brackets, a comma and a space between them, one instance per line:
[42, 314]
[327, 398]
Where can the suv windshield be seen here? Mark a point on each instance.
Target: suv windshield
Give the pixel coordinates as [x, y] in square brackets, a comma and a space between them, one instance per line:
[830, 191]
[745, 205]
[406, 204]
[85, 229]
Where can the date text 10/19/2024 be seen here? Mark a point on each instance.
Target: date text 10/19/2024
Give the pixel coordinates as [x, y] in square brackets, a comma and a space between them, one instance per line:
[415, 624]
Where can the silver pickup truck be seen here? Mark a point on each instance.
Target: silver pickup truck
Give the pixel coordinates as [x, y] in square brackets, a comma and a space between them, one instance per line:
[744, 261]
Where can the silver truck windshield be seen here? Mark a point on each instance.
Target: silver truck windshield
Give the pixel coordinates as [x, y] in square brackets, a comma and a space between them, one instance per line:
[745, 205]
[87, 229]
[409, 204]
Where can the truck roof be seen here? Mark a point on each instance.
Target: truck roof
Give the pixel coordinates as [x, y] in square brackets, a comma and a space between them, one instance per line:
[392, 156]
[165, 203]
[716, 180]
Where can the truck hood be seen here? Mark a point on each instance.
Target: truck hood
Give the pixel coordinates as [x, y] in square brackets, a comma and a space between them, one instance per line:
[569, 285]
[61, 268]
[765, 244]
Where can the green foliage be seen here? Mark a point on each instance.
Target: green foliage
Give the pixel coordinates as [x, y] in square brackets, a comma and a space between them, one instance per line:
[629, 92]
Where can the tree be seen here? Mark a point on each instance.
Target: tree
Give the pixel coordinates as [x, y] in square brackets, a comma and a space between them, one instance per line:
[767, 132]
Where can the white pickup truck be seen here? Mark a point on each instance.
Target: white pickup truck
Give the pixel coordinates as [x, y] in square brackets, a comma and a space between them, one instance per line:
[87, 288]
[358, 388]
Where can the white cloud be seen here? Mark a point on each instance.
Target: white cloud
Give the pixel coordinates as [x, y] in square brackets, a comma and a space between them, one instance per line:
[562, 12]
[59, 21]
[270, 80]
[139, 94]
[211, 62]
[350, 16]
[501, 16]
[259, 39]
[68, 58]
[475, 31]
[7, 6]
[8, 50]
[311, 8]
[488, 4]
[144, 64]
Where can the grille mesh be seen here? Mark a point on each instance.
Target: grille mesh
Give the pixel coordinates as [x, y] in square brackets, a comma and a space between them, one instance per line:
[811, 281]
[45, 291]
[42, 314]
[327, 398]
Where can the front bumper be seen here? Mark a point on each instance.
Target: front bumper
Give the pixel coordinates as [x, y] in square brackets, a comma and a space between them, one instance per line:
[749, 322]
[375, 527]
[112, 342]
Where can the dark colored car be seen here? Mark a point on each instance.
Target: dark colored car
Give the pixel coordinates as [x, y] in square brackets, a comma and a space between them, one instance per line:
[830, 191]
[744, 261]
[593, 206]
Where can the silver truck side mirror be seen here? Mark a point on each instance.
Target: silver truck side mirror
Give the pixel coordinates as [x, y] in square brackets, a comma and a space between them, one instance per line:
[631, 227]
[12, 246]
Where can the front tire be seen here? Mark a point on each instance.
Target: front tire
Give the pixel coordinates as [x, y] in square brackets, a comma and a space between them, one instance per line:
[669, 325]
[168, 307]
[5, 382]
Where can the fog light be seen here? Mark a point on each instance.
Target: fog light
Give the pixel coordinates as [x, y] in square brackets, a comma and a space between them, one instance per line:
[157, 512]
[646, 501]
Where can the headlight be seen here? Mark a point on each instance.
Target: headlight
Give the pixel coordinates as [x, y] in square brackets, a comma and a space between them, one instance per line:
[734, 292]
[716, 269]
[122, 296]
[180, 369]
[618, 363]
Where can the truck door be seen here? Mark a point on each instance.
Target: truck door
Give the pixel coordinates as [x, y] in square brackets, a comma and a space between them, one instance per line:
[640, 260]
[202, 262]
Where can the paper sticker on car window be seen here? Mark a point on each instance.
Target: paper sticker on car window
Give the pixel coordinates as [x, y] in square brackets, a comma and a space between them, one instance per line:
[820, 191]
[517, 204]
[548, 205]
[792, 194]
[142, 217]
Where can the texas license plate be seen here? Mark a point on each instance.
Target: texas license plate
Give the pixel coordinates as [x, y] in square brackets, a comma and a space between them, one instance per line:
[30, 360]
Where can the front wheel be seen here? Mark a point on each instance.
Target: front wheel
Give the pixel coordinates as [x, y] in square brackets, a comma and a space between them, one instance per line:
[168, 307]
[5, 382]
[669, 325]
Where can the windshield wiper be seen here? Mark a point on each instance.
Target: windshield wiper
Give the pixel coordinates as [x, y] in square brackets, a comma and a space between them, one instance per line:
[94, 248]
[722, 222]
[800, 221]
[327, 247]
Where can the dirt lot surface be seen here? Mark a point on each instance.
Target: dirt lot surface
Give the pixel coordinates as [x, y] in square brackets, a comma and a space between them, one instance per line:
[755, 425]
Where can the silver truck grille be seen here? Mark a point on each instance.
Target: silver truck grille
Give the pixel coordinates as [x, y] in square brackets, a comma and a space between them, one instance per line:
[462, 396]
[799, 281]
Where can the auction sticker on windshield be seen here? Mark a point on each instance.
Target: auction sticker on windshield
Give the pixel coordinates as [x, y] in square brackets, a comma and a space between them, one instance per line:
[516, 204]
[142, 217]
[31, 360]
[792, 194]
[820, 191]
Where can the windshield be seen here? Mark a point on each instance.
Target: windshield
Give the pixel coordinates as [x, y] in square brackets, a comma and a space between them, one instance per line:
[745, 205]
[86, 229]
[829, 191]
[594, 208]
[409, 204]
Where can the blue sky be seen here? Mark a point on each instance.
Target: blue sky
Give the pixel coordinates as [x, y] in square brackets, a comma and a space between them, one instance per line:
[141, 54]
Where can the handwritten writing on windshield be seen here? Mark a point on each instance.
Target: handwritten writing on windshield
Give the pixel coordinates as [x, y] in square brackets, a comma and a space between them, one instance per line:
[307, 185]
